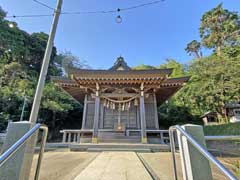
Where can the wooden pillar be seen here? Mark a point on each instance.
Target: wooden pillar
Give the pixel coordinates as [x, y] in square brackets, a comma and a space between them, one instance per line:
[155, 111]
[96, 116]
[101, 116]
[75, 137]
[142, 116]
[69, 136]
[84, 113]
[78, 137]
[138, 118]
[128, 118]
[64, 137]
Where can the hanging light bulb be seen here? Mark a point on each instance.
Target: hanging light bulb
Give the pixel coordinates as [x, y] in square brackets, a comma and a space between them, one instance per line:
[118, 19]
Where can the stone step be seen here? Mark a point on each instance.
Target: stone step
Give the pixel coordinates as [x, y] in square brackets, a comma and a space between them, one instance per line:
[119, 146]
[111, 134]
[119, 140]
[118, 149]
[120, 137]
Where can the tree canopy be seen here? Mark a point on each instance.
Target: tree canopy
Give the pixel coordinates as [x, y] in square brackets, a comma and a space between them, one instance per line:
[21, 56]
[219, 28]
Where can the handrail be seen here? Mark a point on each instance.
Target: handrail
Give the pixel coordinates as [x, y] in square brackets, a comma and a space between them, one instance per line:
[200, 148]
[13, 149]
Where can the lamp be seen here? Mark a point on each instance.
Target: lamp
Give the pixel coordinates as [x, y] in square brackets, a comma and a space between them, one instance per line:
[118, 19]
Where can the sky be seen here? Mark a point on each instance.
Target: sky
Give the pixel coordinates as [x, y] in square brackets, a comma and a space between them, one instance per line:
[147, 35]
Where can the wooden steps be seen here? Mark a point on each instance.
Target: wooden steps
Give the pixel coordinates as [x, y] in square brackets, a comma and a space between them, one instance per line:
[117, 137]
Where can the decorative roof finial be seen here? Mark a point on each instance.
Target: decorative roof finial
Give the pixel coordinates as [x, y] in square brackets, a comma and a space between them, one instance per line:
[120, 64]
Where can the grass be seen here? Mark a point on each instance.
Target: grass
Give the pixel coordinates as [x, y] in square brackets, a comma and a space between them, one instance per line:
[237, 168]
[222, 129]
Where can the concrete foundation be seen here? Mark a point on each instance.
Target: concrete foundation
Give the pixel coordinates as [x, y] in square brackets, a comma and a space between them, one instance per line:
[19, 165]
[194, 165]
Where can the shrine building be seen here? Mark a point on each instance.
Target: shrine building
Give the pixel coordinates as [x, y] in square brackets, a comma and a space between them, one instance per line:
[120, 101]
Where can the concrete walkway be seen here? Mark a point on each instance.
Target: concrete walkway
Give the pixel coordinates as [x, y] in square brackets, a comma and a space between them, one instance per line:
[62, 165]
[115, 166]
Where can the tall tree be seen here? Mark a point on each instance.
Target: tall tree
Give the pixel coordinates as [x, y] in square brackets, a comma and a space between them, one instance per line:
[214, 82]
[21, 56]
[194, 48]
[178, 69]
[2, 13]
[68, 60]
[219, 27]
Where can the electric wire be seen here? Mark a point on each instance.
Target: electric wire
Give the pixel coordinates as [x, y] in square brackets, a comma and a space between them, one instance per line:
[83, 12]
[43, 4]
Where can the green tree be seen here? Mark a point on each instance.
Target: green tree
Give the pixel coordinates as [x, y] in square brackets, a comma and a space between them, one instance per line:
[178, 69]
[218, 28]
[214, 82]
[143, 66]
[21, 56]
[55, 104]
[194, 48]
[68, 60]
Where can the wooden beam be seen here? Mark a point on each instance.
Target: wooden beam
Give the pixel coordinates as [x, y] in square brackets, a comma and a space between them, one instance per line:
[111, 95]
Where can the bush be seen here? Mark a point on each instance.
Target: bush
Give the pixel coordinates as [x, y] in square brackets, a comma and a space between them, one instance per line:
[223, 129]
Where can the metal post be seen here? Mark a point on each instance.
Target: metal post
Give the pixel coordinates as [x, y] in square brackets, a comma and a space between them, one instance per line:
[172, 146]
[23, 108]
[42, 147]
[45, 64]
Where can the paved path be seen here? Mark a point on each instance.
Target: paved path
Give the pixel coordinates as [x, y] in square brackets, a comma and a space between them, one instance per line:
[62, 165]
[115, 166]
[161, 164]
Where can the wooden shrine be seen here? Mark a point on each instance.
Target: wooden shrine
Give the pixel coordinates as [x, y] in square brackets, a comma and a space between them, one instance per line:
[120, 99]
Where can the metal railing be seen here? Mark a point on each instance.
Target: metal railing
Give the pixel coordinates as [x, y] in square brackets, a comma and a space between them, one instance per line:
[200, 148]
[14, 148]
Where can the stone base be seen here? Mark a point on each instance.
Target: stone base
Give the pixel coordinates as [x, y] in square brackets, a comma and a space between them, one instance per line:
[195, 162]
[94, 140]
[144, 140]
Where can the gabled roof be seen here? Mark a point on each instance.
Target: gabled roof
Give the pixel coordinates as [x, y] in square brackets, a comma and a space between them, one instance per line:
[120, 64]
[120, 74]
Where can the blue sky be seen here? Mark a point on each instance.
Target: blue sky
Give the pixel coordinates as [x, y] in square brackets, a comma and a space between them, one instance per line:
[147, 35]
